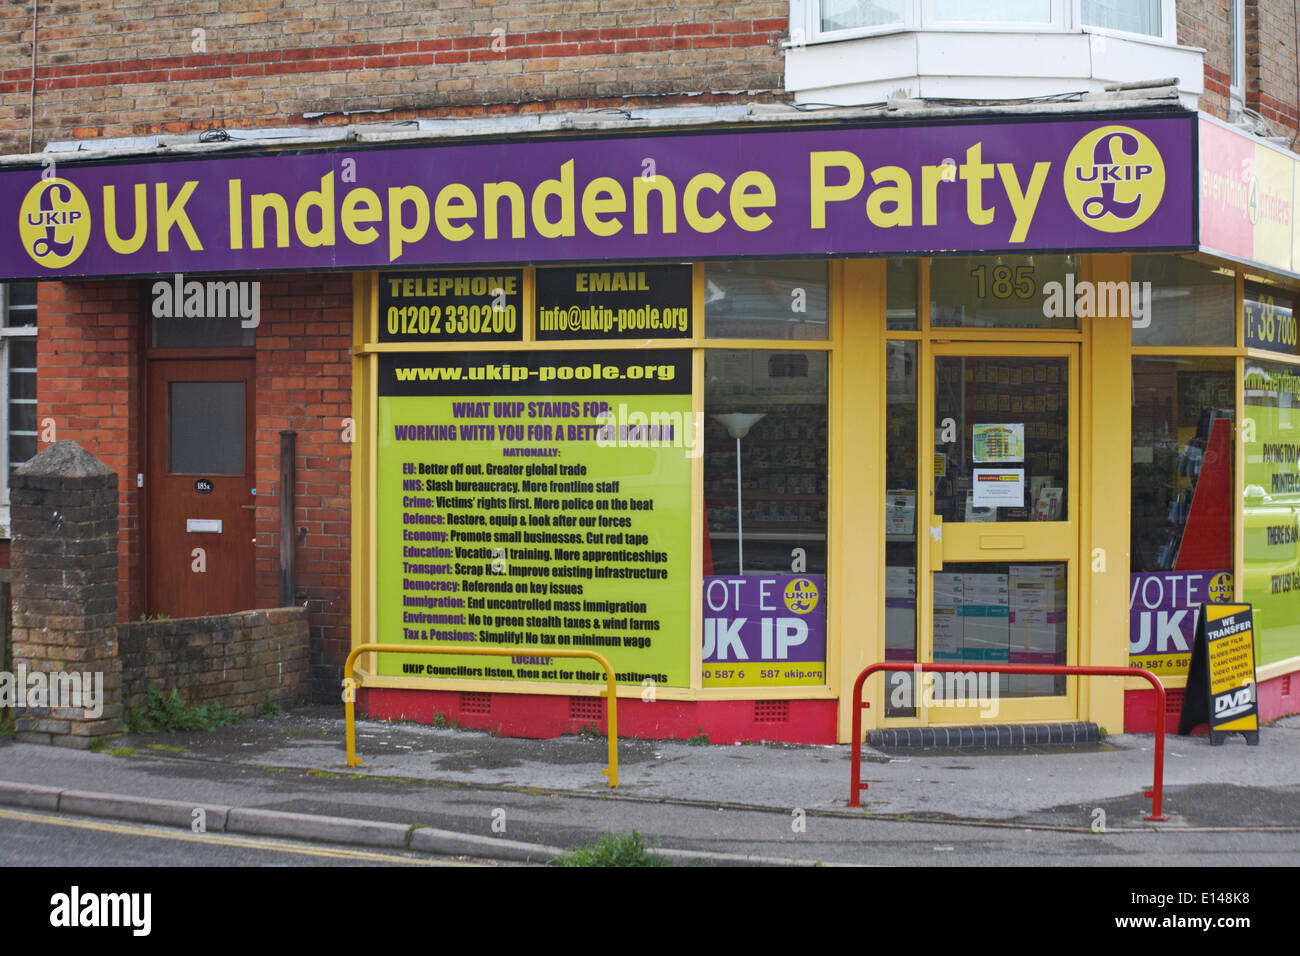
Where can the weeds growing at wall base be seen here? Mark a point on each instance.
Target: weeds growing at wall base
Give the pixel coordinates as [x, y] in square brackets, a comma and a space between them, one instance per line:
[168, 712]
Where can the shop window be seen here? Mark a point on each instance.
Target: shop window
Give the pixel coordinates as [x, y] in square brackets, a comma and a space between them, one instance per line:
[18, 345]
[1183, 302]
[901, 295]
[1182, 464]
[1003, 292]
[1181, 504]
[996, 611]
[1011, 418]
[777, 424]
[900, 521]
[765, 464]
[1272, 508]
[766, 300]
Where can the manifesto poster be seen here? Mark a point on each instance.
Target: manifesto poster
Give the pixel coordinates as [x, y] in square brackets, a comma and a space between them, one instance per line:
[534, 501]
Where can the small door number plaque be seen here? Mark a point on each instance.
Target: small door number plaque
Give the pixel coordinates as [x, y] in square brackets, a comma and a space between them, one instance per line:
[203, 486]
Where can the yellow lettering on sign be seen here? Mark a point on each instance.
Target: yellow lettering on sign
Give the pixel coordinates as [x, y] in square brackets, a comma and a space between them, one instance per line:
[691, 200]
[1023, 202]
[141, 232]
[493, 193]
[323, 200]
[593, 206]
[743, 200]
[975, 171]
[562, 188]
[259, 205]
[641, 189]
[361, 205]
[173, 214]
[821, 193]
[899, 194]
[399, 233]
[455, 201]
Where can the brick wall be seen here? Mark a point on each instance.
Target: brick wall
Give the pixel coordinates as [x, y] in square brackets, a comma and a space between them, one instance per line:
[89, 382]
[234, 660]
[1208, 24]
[64, 513]
[124, 67]
[304, 382]
[1271, 64]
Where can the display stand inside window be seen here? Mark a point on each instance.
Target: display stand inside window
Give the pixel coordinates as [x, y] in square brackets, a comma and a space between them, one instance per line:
[783, 489]
[1182, 466]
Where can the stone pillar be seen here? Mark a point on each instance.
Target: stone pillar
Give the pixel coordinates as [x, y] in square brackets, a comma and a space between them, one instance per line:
[63, 505]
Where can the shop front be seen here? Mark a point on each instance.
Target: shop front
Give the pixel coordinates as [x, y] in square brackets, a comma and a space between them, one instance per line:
[746, 410]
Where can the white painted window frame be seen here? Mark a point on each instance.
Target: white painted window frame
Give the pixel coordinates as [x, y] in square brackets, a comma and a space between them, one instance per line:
[1237, 68]
[7, 334]
[1067, 17]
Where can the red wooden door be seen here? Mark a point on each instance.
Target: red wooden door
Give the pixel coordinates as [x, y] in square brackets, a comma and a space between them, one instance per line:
[199, 487]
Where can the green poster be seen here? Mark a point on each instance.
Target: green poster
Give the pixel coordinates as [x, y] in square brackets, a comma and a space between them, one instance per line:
[1271, 436]
[536, 501]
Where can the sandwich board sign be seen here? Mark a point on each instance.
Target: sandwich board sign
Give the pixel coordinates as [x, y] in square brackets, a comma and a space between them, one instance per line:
[1221, 679]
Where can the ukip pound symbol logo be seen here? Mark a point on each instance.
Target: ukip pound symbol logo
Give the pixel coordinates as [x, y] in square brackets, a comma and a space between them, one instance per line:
[54, 223]
[1114, 179]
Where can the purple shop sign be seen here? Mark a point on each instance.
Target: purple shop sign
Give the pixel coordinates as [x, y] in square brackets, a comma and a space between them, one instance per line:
[765, 618]
[997, 186]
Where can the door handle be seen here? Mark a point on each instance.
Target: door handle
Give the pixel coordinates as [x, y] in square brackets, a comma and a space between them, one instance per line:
[936, 543]
[249, 507]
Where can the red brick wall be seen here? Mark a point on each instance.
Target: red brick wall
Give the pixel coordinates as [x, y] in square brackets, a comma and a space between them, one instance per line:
[304, 382]
[1208, 24]
[1271, 65]
[89, 382]
[106, 68]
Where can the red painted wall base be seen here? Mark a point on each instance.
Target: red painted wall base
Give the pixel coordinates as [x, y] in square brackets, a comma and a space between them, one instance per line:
[1277, 698]
[526, 715]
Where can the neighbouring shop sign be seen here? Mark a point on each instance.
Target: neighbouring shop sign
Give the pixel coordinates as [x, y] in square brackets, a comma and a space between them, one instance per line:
[534, 501]
[640, 302]
[1163, 611]
[1247, 198]
[1268, 320]
[764, 630]
[997, 186]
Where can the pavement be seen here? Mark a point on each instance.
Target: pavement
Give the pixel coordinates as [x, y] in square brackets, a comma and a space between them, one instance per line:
[466, 793]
